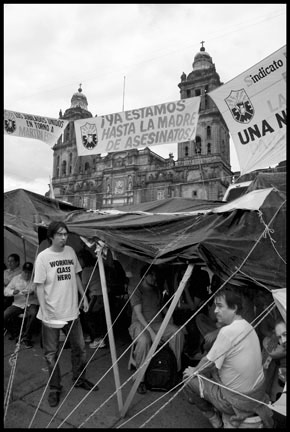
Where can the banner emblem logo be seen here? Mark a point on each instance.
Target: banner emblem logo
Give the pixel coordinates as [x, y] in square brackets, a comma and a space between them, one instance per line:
[89, 136]
[9, 122]
[240, 106]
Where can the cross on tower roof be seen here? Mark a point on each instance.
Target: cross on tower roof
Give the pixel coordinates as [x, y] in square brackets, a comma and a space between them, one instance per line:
[80, 88]
[202, 47]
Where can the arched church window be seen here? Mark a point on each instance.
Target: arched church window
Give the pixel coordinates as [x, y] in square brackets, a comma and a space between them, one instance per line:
[87, 167]
[188, 93]
[198, 145]
[208, 148]
[63, 168]
[208, 132]
[186, 151]
[67, 131]
[70, 163]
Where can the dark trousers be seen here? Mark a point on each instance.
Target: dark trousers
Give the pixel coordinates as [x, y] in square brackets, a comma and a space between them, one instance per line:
[51, 347]
[95, 318]
[12, 312]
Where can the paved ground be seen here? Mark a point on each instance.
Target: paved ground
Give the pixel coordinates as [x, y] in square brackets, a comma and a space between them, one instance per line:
[26, 411]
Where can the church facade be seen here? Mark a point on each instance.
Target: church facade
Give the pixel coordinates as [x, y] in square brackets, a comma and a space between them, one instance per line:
[202, 169]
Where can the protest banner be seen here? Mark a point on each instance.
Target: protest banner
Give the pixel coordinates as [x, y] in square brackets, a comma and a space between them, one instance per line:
[33, 126]
[144, 127]
[253, 106]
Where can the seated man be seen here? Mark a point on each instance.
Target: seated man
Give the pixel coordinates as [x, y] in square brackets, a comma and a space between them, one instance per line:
[20, 287]
[13, 269]
[234, 361]
[146, 304]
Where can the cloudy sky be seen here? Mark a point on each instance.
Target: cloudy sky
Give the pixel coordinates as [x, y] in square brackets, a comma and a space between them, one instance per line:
[49, 49]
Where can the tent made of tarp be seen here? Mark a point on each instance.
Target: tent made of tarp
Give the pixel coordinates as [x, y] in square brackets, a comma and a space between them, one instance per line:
[24, 212]
[249, 232]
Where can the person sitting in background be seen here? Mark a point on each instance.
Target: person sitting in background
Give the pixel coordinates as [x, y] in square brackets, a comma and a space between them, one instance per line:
[262, 301]
[281, 334]
[274, 358]
[146, 302]
[20, 287]
[235, 362]
[196, 292]
[13, 269]
[94, 320]
[207, 323]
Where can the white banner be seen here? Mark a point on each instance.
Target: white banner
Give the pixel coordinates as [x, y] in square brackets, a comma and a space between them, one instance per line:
[144, 127]
[253, 106]
[33, 126]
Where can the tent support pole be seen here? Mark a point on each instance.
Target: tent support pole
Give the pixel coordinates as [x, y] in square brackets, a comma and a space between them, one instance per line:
[159, 334]
[110, 331]
[24, 249]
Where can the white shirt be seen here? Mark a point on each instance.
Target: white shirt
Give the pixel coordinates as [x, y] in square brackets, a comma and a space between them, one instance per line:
[57, 271]
[237, 355]
[18, 283]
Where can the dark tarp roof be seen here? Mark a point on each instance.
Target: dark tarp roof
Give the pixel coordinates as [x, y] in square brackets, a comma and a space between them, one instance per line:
[173, 231]
[223, 240]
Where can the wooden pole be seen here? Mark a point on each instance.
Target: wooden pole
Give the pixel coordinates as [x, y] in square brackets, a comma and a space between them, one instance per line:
[109, 327]
[160, 332]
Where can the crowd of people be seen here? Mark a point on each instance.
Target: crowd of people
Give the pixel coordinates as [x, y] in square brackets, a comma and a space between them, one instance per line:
[221, 354]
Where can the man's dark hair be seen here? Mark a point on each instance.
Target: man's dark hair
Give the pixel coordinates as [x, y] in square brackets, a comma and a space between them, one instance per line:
[232, 297]
[53, 227]
[15, 256]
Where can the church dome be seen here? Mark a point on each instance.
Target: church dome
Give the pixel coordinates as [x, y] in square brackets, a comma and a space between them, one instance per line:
[79, 100]
[202, 60]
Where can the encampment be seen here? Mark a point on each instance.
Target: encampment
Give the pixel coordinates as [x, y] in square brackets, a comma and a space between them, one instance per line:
[242, 241]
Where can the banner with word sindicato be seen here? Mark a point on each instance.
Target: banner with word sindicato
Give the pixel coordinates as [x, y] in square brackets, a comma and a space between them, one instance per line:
[33, 126]
[144, 127]
[253, 106]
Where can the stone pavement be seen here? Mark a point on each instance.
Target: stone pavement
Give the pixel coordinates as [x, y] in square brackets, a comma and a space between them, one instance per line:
[28, 407]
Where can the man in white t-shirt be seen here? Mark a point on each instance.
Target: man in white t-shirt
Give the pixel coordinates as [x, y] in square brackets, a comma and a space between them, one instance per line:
[58, 285]
[235, 362]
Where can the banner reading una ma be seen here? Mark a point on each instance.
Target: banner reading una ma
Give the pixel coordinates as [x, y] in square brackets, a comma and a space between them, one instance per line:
[144, 127]
[253, 106]
[33, 126]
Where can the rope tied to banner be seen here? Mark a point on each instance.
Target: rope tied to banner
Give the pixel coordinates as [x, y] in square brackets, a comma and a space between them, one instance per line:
[268, 231]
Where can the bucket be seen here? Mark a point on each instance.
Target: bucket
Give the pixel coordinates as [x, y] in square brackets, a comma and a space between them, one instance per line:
[252, 423]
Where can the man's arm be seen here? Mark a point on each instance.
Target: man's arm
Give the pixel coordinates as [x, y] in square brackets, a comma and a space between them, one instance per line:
[203, 367]
[40, 295]
[10, 290]
[81, 291]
